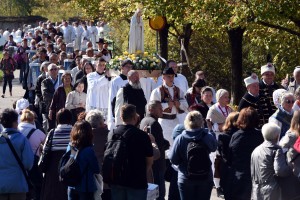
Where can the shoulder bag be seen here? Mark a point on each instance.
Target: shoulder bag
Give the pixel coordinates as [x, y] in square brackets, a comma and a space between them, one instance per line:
[46, 153]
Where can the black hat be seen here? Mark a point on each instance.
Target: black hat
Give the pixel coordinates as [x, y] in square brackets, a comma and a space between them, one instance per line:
[199, 83]
[125, 62]
[168, 70]
[101, 40]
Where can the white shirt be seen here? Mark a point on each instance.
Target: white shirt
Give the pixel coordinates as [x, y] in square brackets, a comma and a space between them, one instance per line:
[148, 85]
[97, 91]
[179, 81]
[116, 84]
[75, 98]
[69, 34]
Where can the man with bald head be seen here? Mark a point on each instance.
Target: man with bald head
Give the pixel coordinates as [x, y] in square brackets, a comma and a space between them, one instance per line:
[131, 93]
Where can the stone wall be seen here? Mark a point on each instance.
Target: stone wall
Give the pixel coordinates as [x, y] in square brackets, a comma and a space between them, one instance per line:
[18, 22]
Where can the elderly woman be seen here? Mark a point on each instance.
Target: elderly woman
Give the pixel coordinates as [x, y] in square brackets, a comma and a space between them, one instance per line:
[216, 117]
[36, 139]
[267, 163]
[100, 133]
[13, 184]
[287, 142]
[283, 116]
[192, 186]
[52, 188]
[241, 145]
[60, 95]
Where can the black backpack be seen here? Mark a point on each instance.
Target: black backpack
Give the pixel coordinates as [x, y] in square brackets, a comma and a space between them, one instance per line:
[198, 161]
[69, 169]
[115, 161]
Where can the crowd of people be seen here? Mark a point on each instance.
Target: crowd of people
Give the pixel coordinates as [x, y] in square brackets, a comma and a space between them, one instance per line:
[190, 137]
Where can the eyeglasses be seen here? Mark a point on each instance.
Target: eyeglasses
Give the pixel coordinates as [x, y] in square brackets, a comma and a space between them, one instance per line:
[290, 101]
[53, 69]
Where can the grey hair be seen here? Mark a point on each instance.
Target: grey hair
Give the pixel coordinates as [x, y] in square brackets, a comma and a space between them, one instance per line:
[95, 118]
[51, 65]
[286, 95]
[131, 72]
[152, 104]
[270, 132]
[193, 120]
[297, 92]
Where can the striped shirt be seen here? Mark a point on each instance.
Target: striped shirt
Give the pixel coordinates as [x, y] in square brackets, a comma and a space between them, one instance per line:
[61, 137]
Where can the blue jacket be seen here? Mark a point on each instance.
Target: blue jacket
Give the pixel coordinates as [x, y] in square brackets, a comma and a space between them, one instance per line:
[12, 177]
[178, 153]
[89, 167]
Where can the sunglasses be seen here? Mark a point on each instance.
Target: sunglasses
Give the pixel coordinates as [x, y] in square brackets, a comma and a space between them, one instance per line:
[53, 69]
[290, 101]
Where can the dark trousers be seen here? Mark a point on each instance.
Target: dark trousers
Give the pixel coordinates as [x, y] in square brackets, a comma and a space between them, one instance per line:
[200, 190]
[5, 81]
[75, 195]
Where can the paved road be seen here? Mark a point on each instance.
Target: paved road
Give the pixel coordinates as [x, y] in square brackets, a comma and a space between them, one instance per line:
[18, 93]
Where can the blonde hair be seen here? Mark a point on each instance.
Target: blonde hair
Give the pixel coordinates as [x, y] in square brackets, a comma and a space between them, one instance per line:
[295, 123]
[230, 121]
[193, 120]
[27, 116]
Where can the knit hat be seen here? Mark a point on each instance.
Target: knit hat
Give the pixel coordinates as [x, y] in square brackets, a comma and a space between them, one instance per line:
[251, 79]
[21, 105]
[220, 93]
[277, 96]
[267, 68]
[296, 70]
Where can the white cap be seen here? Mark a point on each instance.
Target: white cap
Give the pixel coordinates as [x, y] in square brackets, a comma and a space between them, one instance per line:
[21, 105]
[220, 93]
[267, 68]
[251, 79]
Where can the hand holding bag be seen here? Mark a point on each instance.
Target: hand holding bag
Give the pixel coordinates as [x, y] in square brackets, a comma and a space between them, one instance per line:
[46, 154]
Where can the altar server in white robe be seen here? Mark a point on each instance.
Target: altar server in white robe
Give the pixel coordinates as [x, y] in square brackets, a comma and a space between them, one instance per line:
[173, 102]
[179, 80]
[148, 85]
[94, 32]
[69, 33]
[98, 88]
[78, 32]
[116, 84]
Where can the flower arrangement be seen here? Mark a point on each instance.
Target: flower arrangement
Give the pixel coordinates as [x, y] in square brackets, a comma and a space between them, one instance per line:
[141, 61]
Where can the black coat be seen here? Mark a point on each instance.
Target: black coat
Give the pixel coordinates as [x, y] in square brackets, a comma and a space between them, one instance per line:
[261, 104]
[241, 146]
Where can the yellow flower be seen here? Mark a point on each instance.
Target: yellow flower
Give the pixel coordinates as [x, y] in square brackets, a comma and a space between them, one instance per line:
[125, 53]
[145, 53]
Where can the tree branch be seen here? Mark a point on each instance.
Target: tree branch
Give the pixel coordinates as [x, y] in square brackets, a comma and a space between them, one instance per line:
[173, 34]
[267, 24]
[175, 29]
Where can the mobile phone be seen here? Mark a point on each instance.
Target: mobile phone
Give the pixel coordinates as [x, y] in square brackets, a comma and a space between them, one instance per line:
[148, 129]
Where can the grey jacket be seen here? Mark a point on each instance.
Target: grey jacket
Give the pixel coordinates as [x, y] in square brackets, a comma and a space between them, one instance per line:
[267, 162]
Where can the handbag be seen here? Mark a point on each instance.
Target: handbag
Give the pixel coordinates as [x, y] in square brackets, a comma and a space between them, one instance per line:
[30, 185]
[99, 184]
[45, 157]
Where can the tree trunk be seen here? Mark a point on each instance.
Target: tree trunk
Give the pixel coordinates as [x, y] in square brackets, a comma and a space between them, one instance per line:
[236, 42]
[163, 40]
[187, 32]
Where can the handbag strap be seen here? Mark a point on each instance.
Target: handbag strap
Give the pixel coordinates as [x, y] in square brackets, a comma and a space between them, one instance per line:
[13, 150]
[30, 133]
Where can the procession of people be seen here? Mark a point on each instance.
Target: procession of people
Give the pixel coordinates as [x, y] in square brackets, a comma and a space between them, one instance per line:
[191, 137]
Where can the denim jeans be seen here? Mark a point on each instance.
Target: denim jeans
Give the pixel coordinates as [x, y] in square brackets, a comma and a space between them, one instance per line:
[75, 195]
[200, 190]
[126, 193]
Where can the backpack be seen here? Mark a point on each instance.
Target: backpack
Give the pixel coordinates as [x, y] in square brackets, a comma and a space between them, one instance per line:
[198, 160]
[69, 169]
[115, 161]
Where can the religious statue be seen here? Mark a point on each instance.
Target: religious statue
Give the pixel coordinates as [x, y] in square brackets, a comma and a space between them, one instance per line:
[136, 34]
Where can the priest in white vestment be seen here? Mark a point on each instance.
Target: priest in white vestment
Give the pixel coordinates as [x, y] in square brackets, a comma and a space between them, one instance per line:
[98, 88]
[78, 32]
[69, 33]
[116, 84]
[136, 34]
